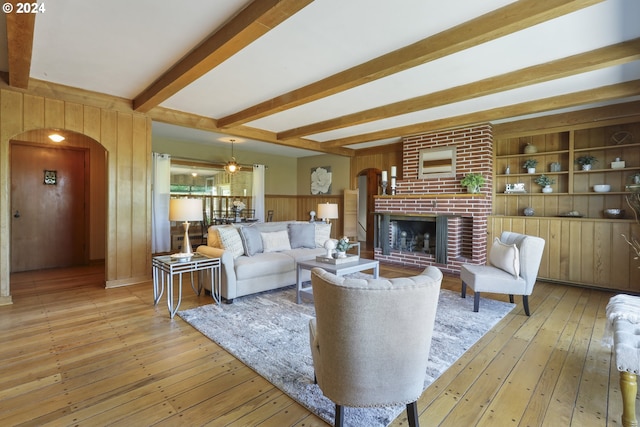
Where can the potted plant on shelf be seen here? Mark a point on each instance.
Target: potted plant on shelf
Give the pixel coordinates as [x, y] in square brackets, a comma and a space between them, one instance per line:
[545, 182]
[473, 182]
[530, 165]
[586, 161]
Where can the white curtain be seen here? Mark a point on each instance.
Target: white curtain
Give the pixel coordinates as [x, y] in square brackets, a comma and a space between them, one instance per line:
[160, 195]
[258, 191]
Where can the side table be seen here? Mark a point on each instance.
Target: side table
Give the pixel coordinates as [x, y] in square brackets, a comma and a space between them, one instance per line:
[165, 267]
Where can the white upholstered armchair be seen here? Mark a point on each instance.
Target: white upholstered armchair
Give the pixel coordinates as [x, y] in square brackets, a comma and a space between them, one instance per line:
[371, 338]
[515, 260]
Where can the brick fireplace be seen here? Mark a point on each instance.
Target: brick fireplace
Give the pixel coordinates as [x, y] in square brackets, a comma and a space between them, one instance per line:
[466, 214]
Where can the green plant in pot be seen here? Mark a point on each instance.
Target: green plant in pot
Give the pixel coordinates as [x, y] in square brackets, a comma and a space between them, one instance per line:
[586, 161]
[473, 182]
[530, 165]
[545, 182]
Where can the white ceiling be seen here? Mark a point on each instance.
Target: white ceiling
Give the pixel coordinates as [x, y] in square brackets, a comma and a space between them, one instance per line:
[120, 47]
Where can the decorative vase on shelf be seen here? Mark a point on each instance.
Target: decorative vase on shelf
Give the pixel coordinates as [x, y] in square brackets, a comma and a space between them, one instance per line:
[530, 149]
[528, 211]
[547, 189]
[586, 167]
[531, 170]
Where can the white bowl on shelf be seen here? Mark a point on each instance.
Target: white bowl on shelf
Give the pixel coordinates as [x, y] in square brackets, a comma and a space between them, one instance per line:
[614, 213]
[602, 188]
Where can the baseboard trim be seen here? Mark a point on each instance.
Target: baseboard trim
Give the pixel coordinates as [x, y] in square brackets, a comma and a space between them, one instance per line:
[128, 281]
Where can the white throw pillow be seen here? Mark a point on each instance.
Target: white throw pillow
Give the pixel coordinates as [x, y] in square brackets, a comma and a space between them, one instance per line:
[230, 240]
[275, 241]
[323, 233]
[505, 257]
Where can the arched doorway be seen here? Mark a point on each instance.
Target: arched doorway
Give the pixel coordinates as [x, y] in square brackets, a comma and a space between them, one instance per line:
[58, 200]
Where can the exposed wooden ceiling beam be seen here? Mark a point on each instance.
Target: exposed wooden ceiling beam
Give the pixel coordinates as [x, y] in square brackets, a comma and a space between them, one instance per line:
[576, 64]
[252, 22]
[575, 120]
[509, 19]
[194, 121]
[606, 93]
[20, 27]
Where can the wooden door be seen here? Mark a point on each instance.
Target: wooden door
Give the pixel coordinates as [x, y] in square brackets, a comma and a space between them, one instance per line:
[48, 216]
[350, 221]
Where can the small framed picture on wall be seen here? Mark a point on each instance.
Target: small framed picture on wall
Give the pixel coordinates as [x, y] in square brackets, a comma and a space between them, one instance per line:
[321, 180]
[437, 162]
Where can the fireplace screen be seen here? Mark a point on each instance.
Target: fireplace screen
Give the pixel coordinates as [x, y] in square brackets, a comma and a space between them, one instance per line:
[414, 236]
[426, 234]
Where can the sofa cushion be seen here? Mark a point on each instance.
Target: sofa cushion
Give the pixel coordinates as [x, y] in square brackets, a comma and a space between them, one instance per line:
[323, 233]
[505, 257]
[263, 264]
[275, 241]
[305, 254]
[251, 240]
[230, 240]
[302, 235]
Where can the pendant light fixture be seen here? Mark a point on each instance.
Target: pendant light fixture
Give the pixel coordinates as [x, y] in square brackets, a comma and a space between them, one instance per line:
[232, 166]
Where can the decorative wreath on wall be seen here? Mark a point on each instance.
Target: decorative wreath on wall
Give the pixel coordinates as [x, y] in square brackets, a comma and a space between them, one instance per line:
[622, 137]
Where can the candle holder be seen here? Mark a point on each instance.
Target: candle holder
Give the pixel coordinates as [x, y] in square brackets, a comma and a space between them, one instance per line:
[383, 184]
[393, 185]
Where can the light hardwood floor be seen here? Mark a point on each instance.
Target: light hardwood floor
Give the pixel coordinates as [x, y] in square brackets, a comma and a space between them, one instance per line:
[74, 353]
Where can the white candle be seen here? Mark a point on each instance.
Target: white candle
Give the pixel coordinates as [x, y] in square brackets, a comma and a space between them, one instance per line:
[245, 192]
[393, 171]
[384, 176]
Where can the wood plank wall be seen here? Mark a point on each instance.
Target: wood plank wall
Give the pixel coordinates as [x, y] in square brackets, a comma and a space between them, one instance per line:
[589, 252]
[376, 158]
[126, 137]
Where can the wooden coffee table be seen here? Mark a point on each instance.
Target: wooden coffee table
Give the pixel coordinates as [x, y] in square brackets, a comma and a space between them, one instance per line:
[337, 269]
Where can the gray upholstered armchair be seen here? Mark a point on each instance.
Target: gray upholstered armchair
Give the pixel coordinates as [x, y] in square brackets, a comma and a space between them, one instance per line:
[511, 272]
[371, 338]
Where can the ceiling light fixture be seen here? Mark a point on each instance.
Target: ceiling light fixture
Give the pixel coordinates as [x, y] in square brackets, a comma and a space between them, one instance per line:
[232, 166]
[56, 138]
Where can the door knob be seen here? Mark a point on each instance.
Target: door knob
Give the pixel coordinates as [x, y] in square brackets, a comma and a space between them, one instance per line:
[17, 214]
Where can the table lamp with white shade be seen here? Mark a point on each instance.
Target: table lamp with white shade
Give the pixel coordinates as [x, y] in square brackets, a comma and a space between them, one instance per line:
[185, 210]
[327, 211]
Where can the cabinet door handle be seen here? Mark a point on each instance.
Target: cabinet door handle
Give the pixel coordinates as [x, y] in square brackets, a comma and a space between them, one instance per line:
[17, 214]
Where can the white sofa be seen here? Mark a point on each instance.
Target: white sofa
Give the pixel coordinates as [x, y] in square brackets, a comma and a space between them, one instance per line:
[262, 256]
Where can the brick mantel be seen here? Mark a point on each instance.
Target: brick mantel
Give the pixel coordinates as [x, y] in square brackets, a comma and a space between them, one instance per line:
[445, 195]
[433, 196]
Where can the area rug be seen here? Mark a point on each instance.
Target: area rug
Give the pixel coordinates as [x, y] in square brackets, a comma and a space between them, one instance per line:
[269, 332]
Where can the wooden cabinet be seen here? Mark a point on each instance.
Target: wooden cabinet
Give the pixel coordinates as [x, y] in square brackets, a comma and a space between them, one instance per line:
[588, 250]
